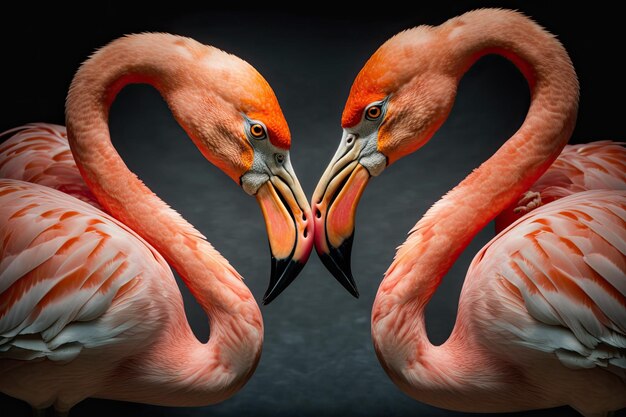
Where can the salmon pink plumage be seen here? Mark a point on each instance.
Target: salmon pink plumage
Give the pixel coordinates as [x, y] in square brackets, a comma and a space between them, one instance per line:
[88, 304]
[541, 321]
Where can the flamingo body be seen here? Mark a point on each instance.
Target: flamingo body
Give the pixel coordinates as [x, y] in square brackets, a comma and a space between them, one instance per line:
[551, 291]
[555, 282]
[81, 293]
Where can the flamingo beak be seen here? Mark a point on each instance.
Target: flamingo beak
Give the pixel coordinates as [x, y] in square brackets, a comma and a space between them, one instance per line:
[288, 221]
[334, 206]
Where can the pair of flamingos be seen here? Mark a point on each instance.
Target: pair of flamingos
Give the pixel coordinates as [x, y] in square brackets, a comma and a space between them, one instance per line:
[89, 306]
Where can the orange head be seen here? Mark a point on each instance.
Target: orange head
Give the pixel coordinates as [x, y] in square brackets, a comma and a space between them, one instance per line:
[406, 80]
[397, 101]
[234, 118]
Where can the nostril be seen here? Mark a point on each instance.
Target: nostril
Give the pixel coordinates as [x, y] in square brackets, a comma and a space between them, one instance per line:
[350, 139]
[306, 232]
[318, 213]
[303, 217]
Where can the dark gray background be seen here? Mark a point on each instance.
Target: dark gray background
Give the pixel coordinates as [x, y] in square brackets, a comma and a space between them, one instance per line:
[318, 358]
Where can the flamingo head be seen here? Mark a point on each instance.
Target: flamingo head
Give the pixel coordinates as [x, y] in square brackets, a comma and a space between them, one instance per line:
[234, 118]
[397, 101]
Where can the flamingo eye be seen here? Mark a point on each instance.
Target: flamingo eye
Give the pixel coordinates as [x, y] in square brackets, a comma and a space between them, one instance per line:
[373, 112]
[257, 131]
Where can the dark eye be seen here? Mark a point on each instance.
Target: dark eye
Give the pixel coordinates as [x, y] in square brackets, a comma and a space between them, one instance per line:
[257, 131]
[280, 158]
[373, 112]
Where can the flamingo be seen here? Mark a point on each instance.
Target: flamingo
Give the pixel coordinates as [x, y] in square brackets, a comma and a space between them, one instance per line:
[591, 166]
[542, 315]
[88, 304]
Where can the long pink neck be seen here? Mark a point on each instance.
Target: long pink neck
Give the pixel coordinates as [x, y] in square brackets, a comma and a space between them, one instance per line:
[458, 371]
[181, 370]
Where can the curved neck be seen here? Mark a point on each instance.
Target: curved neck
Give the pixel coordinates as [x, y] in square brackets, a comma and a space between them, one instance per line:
[222, 365]
[438, 239]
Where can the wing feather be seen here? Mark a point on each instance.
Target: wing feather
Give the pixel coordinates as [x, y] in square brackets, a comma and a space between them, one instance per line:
[559, 275]
[64, 265]
[39, 153]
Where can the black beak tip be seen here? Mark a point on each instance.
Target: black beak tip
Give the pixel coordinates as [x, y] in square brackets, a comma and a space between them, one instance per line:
[342, 275]
[337, 261]
[284, 271]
